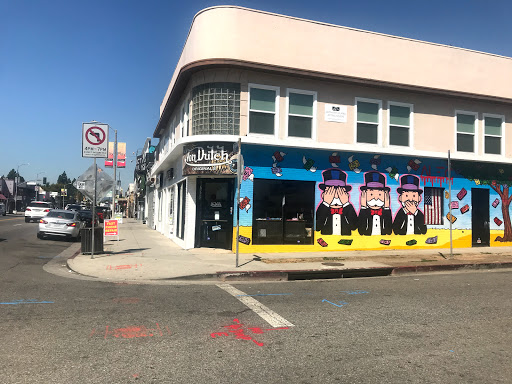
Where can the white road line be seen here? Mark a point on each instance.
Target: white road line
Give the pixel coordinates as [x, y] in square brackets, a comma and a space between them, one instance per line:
[15, 225]
[265, 313]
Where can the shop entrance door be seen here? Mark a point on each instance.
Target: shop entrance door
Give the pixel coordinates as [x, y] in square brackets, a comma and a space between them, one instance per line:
[480, 217]
[215, 213]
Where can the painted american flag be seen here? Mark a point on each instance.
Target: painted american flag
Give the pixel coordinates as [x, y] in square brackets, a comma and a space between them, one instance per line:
[434, 206]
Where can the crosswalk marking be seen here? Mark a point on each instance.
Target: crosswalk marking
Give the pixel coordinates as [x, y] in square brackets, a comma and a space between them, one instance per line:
[264, 312]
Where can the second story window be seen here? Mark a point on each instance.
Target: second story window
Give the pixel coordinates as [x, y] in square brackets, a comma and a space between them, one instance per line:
[368, 121]
[301, 114]
[493, 134]
[400, 119]
[263, 102]
[216, 109]
[466, 127]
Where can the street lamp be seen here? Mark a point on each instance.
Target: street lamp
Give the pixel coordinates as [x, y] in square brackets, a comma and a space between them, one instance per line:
[16, 193]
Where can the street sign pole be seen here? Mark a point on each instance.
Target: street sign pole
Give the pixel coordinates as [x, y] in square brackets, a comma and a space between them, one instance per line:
[94, 144]
[238, 182]
[94, 207]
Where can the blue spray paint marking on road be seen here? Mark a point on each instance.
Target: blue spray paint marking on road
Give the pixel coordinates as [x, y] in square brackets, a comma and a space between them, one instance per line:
[356, 292]
[266, 294]
[341, 302]
[30, 301]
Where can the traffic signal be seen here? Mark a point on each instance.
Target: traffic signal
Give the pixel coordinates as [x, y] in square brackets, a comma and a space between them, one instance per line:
[44, 180]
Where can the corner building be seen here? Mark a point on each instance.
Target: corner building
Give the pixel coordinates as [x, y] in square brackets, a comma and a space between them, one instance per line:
[344, 134]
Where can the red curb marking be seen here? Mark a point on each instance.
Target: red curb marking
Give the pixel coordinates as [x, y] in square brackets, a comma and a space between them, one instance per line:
[239, 333]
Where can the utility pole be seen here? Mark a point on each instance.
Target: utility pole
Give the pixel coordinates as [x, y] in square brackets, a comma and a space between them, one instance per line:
[114, 164]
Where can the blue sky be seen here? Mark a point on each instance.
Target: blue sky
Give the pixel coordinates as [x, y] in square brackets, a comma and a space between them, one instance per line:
[67, 62]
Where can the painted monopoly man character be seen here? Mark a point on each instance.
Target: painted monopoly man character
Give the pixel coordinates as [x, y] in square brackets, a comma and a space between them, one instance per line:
[335, 215]
[375, 214]
[409, 219]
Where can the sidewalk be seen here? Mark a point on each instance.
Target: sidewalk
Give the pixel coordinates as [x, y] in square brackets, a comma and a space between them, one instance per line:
[144, 254]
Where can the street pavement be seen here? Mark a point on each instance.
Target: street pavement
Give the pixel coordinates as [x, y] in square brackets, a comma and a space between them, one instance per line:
[143, 254]
[61, 327]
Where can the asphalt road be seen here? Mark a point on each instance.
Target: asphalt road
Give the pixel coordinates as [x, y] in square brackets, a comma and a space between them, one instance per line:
[435, 328]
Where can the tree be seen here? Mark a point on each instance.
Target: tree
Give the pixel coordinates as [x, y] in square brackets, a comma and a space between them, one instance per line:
[63, 179]
[494, 176]
[12, 176]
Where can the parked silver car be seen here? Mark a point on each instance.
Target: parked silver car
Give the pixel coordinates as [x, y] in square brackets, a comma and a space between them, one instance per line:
[59, 222]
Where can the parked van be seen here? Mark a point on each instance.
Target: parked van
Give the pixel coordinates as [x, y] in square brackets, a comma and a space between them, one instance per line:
[3, 209]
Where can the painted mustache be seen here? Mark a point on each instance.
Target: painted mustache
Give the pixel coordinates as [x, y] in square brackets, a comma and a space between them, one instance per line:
[375, 203]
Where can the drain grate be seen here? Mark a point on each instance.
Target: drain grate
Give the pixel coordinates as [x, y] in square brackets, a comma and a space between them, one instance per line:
[333, 264]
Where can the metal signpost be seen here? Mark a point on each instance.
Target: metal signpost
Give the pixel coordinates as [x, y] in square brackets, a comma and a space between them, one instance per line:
[95, 145]
[239, 166]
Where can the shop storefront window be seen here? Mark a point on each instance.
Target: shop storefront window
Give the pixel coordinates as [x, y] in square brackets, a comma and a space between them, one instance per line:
[283, 212]
[216, 109]
[180, 219]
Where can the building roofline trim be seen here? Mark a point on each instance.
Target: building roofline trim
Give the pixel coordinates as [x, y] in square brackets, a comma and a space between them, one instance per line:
[192, 67]
[342, 27]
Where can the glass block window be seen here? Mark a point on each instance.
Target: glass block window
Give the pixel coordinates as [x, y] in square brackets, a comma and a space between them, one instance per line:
[263, 109]
[368, 121]
[216, 109]
[493, 134]
[399, 125]
[466, 127]
[301, 113]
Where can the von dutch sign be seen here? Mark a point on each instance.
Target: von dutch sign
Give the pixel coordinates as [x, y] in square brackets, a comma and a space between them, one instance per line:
[209, 159]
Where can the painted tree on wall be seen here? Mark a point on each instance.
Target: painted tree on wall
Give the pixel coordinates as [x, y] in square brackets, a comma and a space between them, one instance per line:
[493, 175]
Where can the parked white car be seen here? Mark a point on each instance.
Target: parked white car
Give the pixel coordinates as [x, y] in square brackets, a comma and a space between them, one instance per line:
[60, 222]
[37, 209]
[3, 210]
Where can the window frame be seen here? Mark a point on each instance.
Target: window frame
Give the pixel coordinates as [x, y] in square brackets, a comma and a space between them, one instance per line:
[411, 124]
[313, 117]
[379, 125]
[442, 205]
[276, 112]
[475, 134]
[502, 146]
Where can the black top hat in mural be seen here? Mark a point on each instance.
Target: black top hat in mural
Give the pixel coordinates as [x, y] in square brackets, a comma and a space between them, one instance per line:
[409, 183]
[374, 180]
[334, 178]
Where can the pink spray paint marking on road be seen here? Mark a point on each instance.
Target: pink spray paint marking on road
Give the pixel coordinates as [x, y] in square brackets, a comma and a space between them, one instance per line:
[127, 266]
[131, 332]
[237, 330]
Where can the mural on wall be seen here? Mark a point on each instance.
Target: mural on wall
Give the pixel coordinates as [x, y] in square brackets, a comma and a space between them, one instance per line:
[494, 177]
[376, 201]
[335, 215]
[375, 212]
[409, 219]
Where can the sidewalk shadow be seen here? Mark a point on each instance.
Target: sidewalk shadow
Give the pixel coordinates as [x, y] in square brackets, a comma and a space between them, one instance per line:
[130, 250]
[255, 258]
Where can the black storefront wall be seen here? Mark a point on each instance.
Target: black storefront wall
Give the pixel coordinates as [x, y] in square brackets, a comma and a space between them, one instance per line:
[212, 162]
[214, 218]
[283, 212]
